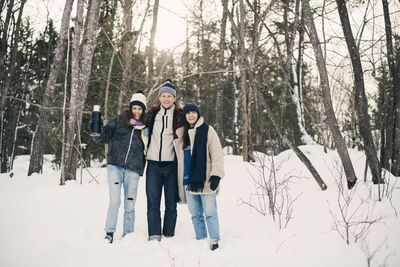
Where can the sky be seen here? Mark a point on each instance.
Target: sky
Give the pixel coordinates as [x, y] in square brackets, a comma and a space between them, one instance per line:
[171, 26]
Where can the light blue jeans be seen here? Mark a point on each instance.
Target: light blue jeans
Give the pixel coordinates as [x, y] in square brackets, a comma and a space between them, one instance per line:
[130, 179]
[204, 210]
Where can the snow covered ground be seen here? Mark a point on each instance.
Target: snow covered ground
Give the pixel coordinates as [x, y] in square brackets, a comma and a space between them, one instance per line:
[44, 224]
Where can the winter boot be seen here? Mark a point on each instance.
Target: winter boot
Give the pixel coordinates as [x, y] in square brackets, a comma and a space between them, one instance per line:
[214, 245]
[109, 237]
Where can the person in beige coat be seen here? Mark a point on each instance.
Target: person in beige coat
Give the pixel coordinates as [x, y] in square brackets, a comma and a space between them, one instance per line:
[200, 169]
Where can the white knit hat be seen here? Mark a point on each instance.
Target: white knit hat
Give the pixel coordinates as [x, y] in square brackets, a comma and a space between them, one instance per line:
[138, 99]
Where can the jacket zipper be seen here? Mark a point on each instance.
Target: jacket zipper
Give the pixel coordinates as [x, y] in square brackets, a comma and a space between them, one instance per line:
[161, 135]
[129, 147]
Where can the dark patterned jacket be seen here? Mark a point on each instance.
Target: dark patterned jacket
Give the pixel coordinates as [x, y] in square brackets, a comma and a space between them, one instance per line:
[126, 144]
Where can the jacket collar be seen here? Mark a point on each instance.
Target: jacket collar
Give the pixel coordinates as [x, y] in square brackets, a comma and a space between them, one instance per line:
[199, 122]
[140, 127]
[169, 110]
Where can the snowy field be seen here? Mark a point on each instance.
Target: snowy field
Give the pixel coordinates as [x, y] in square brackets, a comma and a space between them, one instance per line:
[44, 224]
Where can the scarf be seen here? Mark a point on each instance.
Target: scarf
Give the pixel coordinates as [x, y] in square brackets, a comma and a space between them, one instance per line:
[198, 161]
[135, 122]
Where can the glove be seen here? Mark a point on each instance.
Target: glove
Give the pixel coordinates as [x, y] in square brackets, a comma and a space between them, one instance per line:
[214, 182]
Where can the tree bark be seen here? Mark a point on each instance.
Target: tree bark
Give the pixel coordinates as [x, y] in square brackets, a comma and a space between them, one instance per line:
[243, 85]
[387, 133]
[220, 101]
[361, 102]
[78, 98]
[6, 146]
[67, 169]
[391, 133]
[42, 129]
[126, 53]
[3, 49]
[396, 141]
[151, 45]
[293, 77]
[299, 70]
[329, 112]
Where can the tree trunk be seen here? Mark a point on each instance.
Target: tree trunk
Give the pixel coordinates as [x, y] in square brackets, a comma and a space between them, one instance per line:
[42, 129]
[294, 80]
[283, 136]
[329, 112]
[361, 102]
[66, 169]
[151, 45]
[2, 4]
[391, 152]
[3, 49]
[219, 101]
[243, 85]
[126, 53]
[240, 54]
[79, 92]
[396, 141]
[299, 71]
[6, 140]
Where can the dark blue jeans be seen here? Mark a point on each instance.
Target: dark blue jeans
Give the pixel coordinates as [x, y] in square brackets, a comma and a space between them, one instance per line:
[159, 175]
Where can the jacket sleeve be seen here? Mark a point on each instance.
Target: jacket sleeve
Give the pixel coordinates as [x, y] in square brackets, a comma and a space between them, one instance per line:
[107, 132]
[216, 154]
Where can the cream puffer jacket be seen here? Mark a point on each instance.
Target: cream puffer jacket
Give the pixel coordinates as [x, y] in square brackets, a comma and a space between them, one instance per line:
[215, 158]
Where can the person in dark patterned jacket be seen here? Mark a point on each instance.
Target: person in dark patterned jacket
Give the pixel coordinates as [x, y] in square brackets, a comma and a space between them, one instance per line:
[127, 138]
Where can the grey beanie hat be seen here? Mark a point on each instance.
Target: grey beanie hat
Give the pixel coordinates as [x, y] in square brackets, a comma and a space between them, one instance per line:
[167, 87]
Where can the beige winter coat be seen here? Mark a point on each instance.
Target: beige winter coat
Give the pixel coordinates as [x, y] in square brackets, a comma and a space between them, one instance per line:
[215, 158]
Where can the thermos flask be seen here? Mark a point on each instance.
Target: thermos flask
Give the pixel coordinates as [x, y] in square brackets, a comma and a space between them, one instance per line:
[96, 119]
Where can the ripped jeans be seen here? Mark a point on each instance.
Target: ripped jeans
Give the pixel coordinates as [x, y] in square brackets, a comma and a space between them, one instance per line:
[129, 179]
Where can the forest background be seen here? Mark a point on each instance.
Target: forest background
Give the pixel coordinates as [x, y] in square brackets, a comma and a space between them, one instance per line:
[268, 75]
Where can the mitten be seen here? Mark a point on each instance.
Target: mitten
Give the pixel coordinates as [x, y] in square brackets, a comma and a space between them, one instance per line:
[214, 182]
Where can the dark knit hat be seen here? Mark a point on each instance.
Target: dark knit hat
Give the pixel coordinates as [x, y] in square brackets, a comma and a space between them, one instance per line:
[191, 107]
[138, 99]
[167, 87]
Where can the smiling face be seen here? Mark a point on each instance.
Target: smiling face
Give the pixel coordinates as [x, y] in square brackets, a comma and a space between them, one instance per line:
[137, 112]
[167, 100]
[191, 118]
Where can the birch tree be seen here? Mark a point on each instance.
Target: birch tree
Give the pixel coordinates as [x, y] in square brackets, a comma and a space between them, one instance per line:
[219, 101]
[42, 128]
[150, 64]
[293, 77]
[127, 46]
[79, 90]
[239, 30]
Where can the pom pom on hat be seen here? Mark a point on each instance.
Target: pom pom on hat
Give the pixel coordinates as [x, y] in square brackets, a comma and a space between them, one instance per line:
[167, 87]
[138, 99]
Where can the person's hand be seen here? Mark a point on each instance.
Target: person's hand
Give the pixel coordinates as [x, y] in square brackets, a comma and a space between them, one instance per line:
[214, 182]
[95, 123]
[91, 126]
